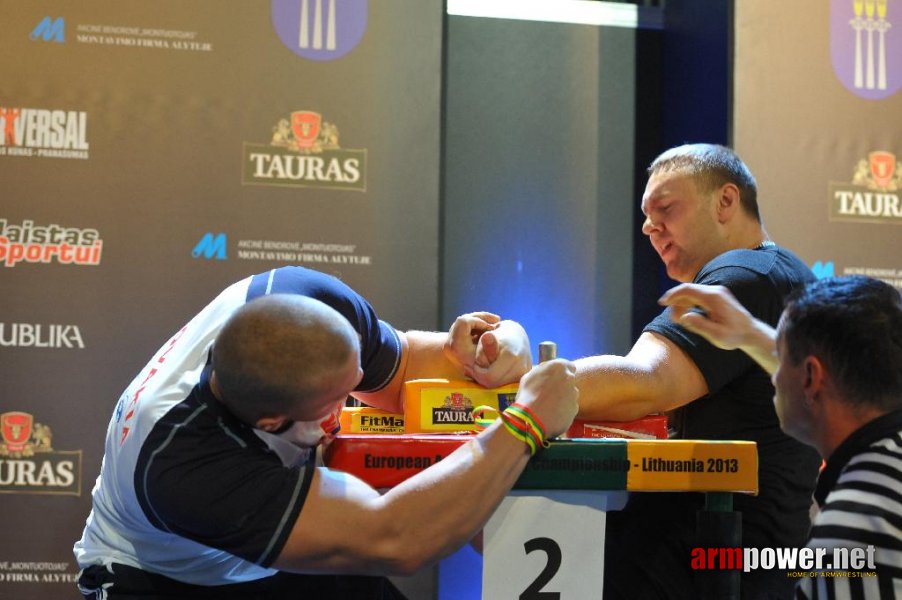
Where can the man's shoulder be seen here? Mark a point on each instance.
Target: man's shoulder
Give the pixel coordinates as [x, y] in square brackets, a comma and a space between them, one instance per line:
[742, 264]
[760, 279]
[754, 260]
[305, 282]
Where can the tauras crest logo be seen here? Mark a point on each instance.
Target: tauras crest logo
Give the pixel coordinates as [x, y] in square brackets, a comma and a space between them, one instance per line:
[873, 194]
[28, 462]
[22, 436]
[879, 172]
[456, 409]
[304, 151]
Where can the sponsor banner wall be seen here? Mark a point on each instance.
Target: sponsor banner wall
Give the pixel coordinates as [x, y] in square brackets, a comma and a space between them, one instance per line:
[154, 152]
[818, 117]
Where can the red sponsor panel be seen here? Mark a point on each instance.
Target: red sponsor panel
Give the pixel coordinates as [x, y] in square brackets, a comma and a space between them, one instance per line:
[646, 428]
[384, 461]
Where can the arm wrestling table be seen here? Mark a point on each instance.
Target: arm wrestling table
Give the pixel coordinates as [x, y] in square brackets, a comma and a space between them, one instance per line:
[546, 539]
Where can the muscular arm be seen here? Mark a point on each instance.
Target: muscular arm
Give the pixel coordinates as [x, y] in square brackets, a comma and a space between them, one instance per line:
[347, 527]
[421, 358]
[656, 376]
[497, 357]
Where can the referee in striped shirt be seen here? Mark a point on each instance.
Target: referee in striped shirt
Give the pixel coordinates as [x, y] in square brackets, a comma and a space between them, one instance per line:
[836, 363]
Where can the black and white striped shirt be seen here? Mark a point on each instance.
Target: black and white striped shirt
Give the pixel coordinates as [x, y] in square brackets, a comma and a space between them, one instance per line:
[860, 499]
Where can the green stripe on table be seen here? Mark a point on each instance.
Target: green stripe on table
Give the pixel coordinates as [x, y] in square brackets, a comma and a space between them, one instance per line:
[578, 465]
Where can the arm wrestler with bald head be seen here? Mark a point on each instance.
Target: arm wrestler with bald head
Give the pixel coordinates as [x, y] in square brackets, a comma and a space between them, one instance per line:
[208, 486]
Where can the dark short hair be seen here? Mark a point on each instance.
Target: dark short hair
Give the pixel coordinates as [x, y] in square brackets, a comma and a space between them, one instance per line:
[852, 324]
[278, 351]
[711, 166]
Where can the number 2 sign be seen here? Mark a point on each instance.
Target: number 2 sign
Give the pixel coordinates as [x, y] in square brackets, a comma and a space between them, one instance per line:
[547, 545]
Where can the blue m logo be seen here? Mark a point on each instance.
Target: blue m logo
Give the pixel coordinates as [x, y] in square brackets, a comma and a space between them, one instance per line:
[822, 270]
[211, 246]
[50, 29]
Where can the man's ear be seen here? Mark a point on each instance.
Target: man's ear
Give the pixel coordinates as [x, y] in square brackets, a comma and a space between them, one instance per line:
[814, 378]
[270, 423]
[728, 202]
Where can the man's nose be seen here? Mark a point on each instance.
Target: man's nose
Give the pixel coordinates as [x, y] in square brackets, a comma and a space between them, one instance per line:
[648, 226]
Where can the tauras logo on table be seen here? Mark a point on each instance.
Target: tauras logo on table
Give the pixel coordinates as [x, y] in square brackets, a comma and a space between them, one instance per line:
[456, 408]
